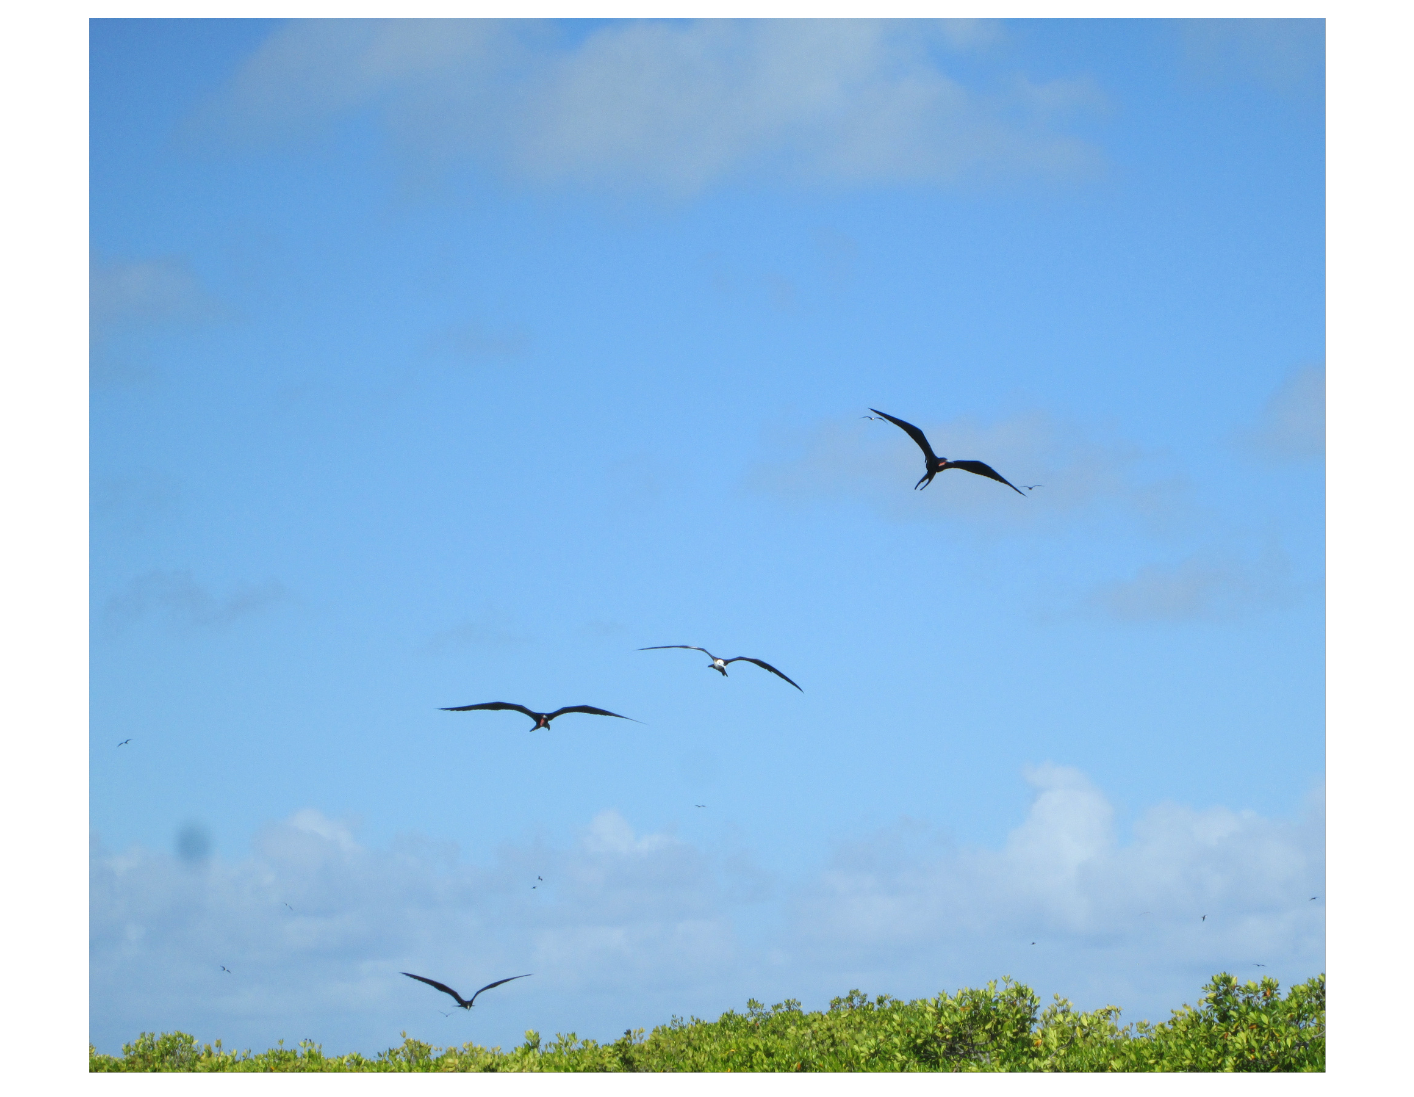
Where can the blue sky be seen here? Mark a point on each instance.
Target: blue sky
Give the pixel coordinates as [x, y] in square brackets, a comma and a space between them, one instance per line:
[442, 364]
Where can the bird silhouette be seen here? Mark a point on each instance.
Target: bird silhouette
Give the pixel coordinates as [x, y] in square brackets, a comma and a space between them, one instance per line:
[292, 909]
[1203, 919]
[933, 464]
[1259, 965]
[542, 719]
[1032, 487]
[125, 742]
[226, 969]
[1313, 898]
[699, 805]
[719, 664]
[463, 1002]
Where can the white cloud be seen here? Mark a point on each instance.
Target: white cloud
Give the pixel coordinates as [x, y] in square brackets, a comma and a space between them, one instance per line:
[1209, 586]
[668, 106]
[627, 928]
[185, 602]
[1111, 921]
[129, 301]
[134, 503]
[164, 288]
[476, 342]
[1283, 54]
[1293, 423]
[490, 628]
[878, 463]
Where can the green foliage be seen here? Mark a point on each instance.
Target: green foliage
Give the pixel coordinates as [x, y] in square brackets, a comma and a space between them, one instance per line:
[1247, 1027]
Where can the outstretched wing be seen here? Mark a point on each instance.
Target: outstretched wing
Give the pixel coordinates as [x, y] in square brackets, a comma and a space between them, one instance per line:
[592, 712]
[443, 987]
[759, 663]
[493, 705]
[913, 432]
[498, 982]
[689, 647]
[986, 470]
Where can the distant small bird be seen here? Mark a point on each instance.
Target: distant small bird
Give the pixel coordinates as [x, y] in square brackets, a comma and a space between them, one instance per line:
[445, 1012]
[1313, 898]
[541, 879]
[463, 1002]
[226, 969]
[542, 719]
[719, 664]
[876, 418]
[292, 909]
[933, 464]
[125, 742]
[1259, 965]
[699, 805]
[1203, 919]
[1033, 942]
[1032, 487]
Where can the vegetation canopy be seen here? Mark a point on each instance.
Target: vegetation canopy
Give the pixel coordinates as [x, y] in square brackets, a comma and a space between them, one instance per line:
[1236, 1027]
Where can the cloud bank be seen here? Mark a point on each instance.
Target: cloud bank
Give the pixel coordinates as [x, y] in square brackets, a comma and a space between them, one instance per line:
[668, 106]
[622, 929]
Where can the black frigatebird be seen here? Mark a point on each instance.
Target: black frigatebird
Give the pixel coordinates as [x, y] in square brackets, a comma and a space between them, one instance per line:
[542, 719]
[935, 464]
[720, 665]
[463, 1002]
[125, 742]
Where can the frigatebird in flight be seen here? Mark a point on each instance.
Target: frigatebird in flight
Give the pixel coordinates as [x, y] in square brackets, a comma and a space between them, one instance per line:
[720, 665]
[463, 1002]
[935, 464]
[542, 719]
[125, 742]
